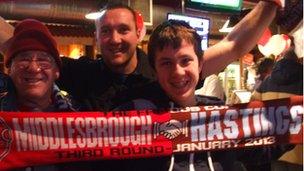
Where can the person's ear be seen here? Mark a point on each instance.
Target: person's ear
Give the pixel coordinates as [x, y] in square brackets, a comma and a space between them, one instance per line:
[138, 33]
[57, 73]
[200, 66]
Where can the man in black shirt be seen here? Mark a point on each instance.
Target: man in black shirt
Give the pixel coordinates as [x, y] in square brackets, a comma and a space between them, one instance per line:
[96, 87]
[101, 84]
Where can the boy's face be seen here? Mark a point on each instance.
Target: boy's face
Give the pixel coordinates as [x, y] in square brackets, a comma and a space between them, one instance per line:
[178, 71]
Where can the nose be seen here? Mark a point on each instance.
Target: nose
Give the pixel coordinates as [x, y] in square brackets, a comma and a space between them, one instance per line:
[115, 37]
[178, 70]
[33, 66]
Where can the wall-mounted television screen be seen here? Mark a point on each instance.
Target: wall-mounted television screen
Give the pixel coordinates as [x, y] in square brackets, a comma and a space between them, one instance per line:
[201, 25]
[233, 6]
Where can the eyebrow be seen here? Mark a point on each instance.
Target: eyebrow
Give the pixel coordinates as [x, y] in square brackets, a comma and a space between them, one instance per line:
[110, 26]
[164, 59]
[169, 58]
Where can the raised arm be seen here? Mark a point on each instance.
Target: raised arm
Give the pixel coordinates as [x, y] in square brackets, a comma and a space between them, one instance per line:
[241, 40]
[6, 32]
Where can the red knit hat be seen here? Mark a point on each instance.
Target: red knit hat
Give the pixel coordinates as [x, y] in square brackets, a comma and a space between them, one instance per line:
[31, 34]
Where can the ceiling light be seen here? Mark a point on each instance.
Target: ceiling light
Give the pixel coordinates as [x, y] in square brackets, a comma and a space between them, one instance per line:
[233, 20]
[226, 28]
[94, 15]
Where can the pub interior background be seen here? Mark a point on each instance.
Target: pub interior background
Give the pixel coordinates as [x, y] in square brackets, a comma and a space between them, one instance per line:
[75, 33]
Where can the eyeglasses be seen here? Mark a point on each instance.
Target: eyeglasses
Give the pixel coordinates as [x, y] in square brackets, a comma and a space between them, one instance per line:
[42, 59]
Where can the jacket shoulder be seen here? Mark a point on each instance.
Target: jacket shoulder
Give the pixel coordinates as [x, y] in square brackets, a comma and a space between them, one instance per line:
[208, 100]
[5, 83]
[7, 93]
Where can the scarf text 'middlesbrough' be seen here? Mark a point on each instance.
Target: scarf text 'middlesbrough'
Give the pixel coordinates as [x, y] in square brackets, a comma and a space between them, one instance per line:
[28, 139]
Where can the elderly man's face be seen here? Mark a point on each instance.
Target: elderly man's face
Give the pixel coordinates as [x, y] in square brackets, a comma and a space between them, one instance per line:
[33, 73]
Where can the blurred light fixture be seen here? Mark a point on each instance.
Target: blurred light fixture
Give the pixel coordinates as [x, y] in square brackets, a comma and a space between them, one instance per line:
[229, 24]
[94, 15]
[233, 20]
[226, 28]
[98, 11]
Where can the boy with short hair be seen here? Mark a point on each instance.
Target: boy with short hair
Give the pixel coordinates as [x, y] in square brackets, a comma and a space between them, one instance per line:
[174, 52]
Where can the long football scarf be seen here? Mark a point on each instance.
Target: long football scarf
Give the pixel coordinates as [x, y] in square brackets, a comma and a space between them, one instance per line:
[29, 139]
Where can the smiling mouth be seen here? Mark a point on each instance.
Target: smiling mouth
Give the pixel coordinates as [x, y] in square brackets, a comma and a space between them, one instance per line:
[32, 81]
[180, 84]
[117, 49]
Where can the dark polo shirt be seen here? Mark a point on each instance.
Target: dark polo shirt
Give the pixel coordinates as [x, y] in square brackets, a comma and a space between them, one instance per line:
[96, 88]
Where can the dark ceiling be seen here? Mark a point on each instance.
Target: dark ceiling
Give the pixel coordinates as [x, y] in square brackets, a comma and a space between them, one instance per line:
[169, 3]
[73, 11]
